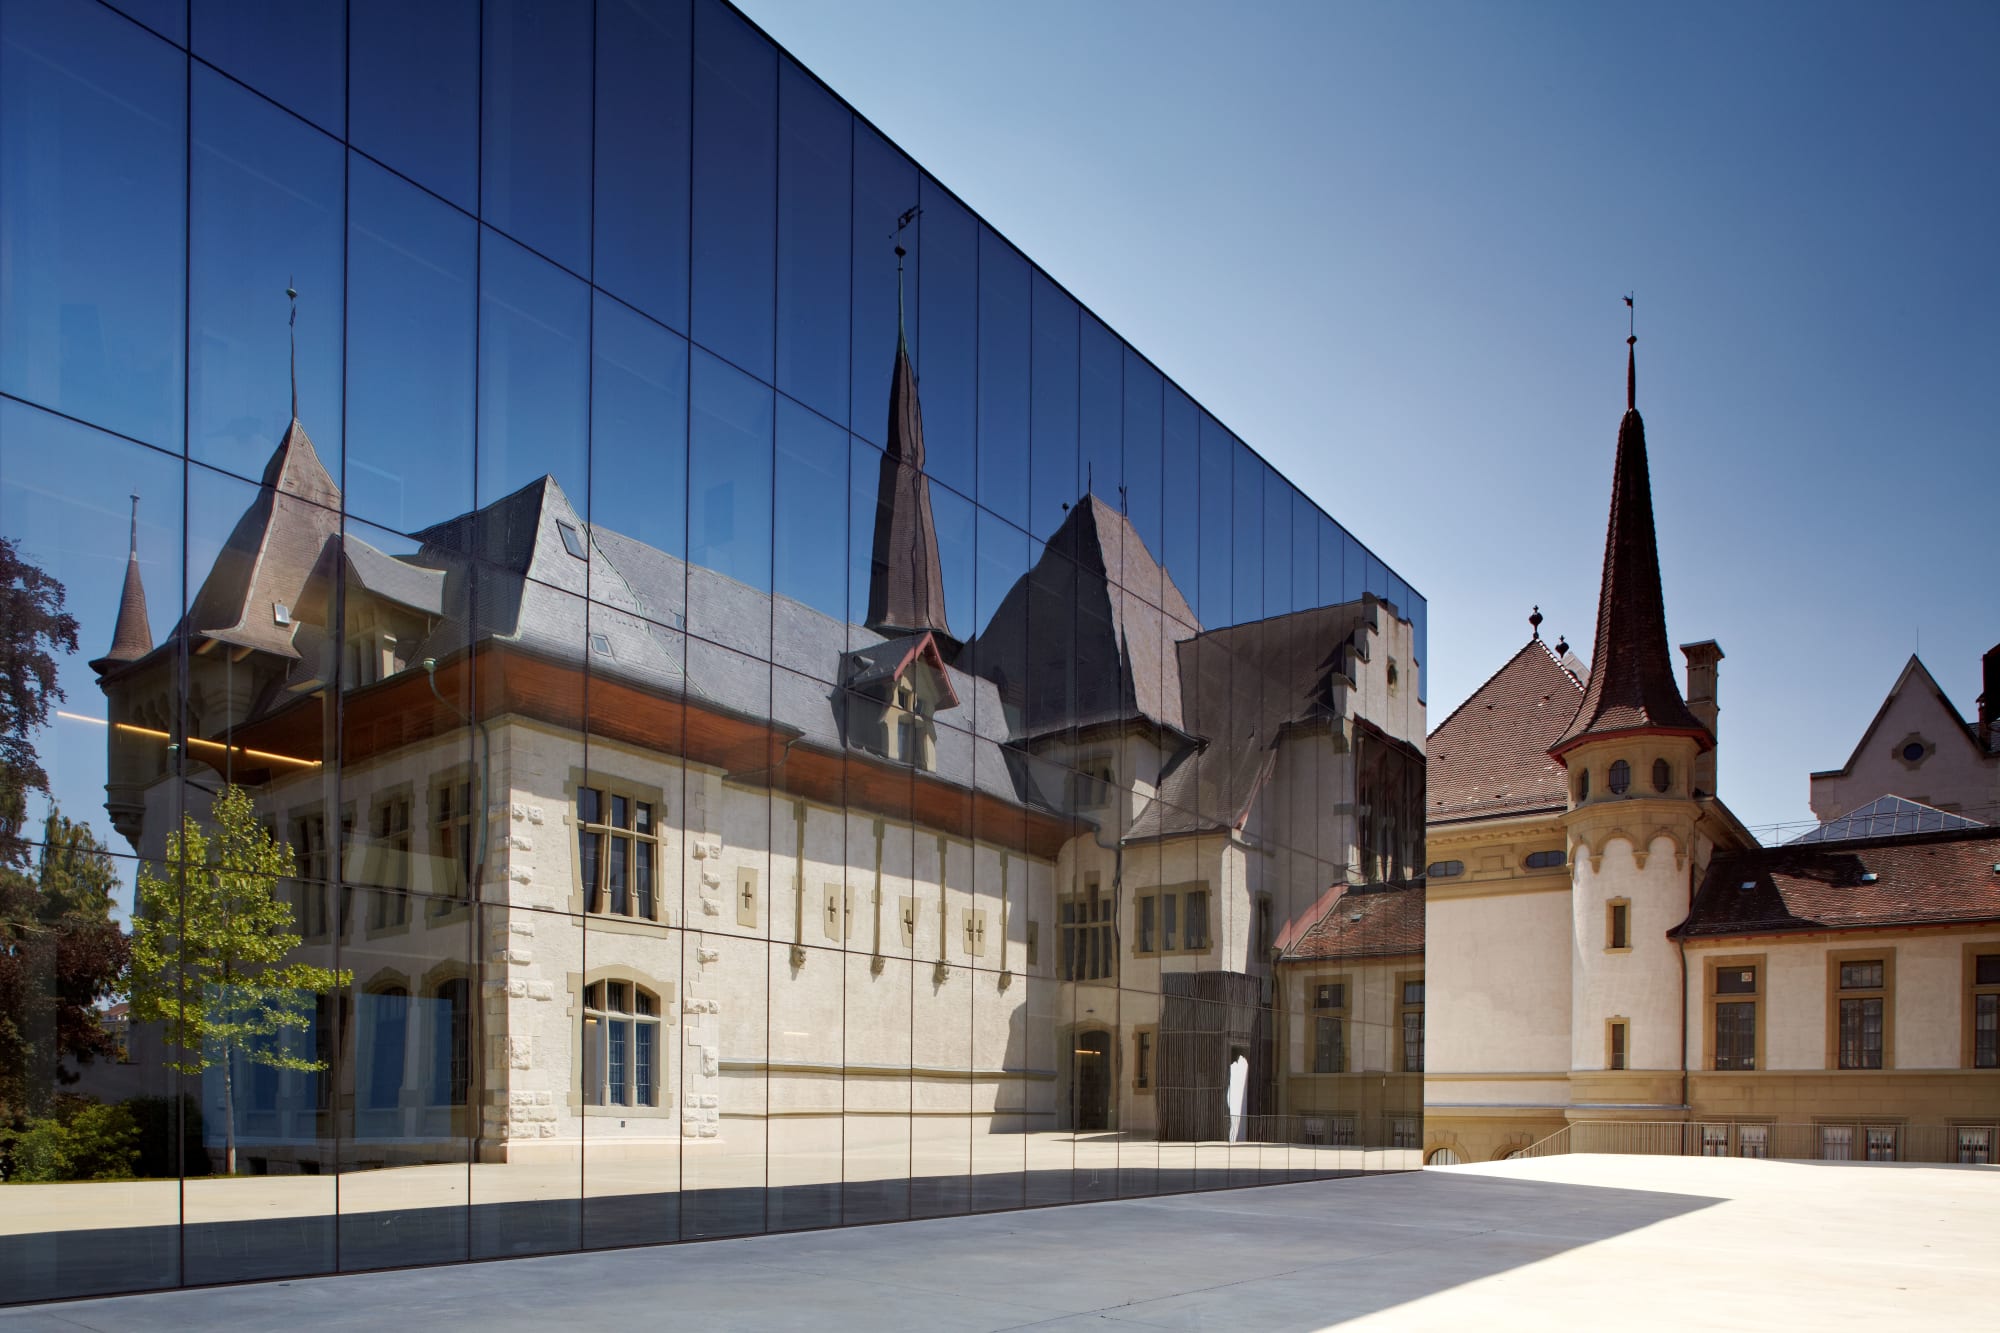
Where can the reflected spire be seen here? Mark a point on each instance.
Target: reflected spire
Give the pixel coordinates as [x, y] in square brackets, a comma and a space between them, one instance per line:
[132, 637]
[905, 581]
[292, 294]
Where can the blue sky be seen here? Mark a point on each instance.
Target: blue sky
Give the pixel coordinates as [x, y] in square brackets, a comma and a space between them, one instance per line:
[1386, 245]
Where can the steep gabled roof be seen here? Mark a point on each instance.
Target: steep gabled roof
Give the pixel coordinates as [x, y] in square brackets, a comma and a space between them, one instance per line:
[1942, 878]
[1915, 678]
[905, 580]
[267, 558]
[132, 636]
[1632, 685]
[1491, 756]
[1375, 921]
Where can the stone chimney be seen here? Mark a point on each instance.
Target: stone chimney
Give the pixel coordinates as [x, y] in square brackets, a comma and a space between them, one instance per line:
[1701, 661]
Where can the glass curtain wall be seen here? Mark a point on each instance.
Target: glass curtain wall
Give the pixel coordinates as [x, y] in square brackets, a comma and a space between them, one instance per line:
[595, 660]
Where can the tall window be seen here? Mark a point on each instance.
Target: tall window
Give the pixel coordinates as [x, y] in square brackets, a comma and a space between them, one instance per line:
[1975, 1145]
[1861, 1001]
[1142, 1060]
[451, 843]
[309, 852]
[616, 852]
[389, 868]
[1617, 1039]
[1173, 920]
[1985, 1009]
[451, 1044]
[1329, 1002]
[1413, 1025]
[1736, 1017]
[1088, 953]
[1619, 778]
[1618, 925]
[388, 1031]
[621, 1045]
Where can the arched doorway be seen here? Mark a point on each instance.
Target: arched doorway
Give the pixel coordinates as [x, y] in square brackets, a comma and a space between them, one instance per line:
[1090, 1081]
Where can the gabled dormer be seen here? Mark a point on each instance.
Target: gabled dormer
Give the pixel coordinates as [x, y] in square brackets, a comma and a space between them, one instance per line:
[893, 692]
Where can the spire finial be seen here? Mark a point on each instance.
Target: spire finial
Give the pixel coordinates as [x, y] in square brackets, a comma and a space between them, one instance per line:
[1631, 356]
[292, 295]
[1535, 621]
[907, 216]
[1562, 646]
[135, 525]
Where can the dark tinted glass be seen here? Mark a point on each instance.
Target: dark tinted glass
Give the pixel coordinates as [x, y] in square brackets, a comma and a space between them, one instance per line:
[1003, 379]
[265, 205]
[729, 498]
[735, 188]
[166, 17]
[534, 372]
[1052, 373]
[412, 307]
[1181, 538]
[1247, 545]
[535, 107]
[645, 101]
[638, 429]
[92, 193]
[1143, 465]
[1100, 407]
[810, 532]
[414, 91]
[294, 54]
[947, 295]
[814, 182]
[1215, 593]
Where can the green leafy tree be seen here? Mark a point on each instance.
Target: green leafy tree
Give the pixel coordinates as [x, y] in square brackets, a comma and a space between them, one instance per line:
[210, 938]
[33, 628]
[79, 1140]
[61, 956]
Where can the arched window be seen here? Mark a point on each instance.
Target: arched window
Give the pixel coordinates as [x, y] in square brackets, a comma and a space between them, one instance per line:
[386, 1021]
[1545, 860]
[1662, 775]
[1619, 778]
[1583, 786]
[451, 1045]
[1445, 869]
[621, 1045]
[1443, 1157]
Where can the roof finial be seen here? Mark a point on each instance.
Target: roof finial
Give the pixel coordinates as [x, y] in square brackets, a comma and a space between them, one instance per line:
[1562, 646]
[135, 525]
[1535, 621]
[1631, 356]
[292, 294]
[908, 216]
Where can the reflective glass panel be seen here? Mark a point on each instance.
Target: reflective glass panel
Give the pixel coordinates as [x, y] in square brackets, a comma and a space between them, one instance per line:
[294, 54]
[414, 91]
[885, 190]
[536, 113]
[1003, 379]
[814, 176]
[638, 433]
[644, 109]
[534, 373]
[735, 188]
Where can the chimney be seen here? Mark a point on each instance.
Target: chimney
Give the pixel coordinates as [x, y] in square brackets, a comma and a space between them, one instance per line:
[1989, 700]
[1701, 660]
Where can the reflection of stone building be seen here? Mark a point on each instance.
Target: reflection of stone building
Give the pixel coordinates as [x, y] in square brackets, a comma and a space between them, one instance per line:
[620, 845]
[1606, 942]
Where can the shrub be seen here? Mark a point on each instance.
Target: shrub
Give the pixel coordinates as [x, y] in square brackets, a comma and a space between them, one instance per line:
[81, 1140]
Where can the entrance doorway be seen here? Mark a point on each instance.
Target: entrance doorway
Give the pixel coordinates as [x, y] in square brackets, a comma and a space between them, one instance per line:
[1090, 1081]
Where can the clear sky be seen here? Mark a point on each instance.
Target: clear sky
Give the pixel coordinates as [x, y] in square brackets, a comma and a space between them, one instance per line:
[1386, 245]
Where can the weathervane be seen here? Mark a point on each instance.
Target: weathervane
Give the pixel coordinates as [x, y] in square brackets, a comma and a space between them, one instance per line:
[292, 295]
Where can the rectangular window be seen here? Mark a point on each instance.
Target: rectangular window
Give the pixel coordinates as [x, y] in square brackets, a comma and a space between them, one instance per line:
[1412, 1022]
[451, 843]
[1616, 1057]
[1330, 995]
[1618, 933]
[1329, 1049]
[1169, 928]
[615, 852]
[1085, 944]
[1147, 909]
[1881, 1142]
[1861, 1034]
[1736, 1035]
[1753, 1141]
[1736, 981]
[1172, 920]
[1715, 1140]
[1142, 1060]
[1975, 1145]
[1984, 1011]
[1197, 920]
[1836, 1143]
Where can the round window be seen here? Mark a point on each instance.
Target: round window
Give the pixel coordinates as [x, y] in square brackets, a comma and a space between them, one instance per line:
[1662, 775]
[1914, 751]
[1619, 778]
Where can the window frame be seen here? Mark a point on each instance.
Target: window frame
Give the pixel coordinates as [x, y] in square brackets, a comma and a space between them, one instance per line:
[447, 898]
[1096, 922]
[1145, 1058]
[389, 903]
[665, 1098]
[1158, 898]
[1612, 923]
[1972, 990]
[1404, 1009]
[1757, 997]
[1838, 997]
[1618, 1044]
[1337, 1014]
[585, 899]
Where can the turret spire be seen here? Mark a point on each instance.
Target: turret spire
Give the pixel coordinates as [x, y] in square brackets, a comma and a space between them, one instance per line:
[292, 294]
[1632, 684]
[132, 636]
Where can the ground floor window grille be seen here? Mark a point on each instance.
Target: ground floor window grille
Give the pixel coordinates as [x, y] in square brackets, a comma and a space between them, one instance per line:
[1975, 1145]
[1753, 1141]
[1406, 1131]
[1836, 1143]
[1881, 1142]
[1715, 1140]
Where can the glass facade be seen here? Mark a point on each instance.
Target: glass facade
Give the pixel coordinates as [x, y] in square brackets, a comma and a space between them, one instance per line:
[593, 659]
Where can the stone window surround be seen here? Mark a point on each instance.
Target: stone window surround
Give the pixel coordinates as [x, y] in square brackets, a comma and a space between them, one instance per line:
[1611, 944]
[445, 904]
[1179, 892]
[1886, 955]
[1761, 997]
[1308, 994]
[1616, 1059]
[1914, 738]
[1970, 989]
[371, 860]
[610, 784]
[669, 1098]
[1402, 1008]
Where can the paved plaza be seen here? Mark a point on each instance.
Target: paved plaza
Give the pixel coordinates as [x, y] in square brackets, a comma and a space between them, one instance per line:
[1564, 1242]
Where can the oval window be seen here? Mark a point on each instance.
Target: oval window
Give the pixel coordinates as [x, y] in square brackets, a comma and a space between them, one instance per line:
[1583, 786]
[1545, 860]
[1619, 778]
[1445, 869]
[1662, 775]
[1914, 751]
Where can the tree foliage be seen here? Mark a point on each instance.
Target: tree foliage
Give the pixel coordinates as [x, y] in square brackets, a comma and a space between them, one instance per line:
[210, 942]
[79, 1139]
[33, 629]
[61, 955]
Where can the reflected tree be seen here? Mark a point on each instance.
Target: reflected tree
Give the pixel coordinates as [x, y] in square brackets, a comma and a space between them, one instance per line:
[33, 629]
[210, 942]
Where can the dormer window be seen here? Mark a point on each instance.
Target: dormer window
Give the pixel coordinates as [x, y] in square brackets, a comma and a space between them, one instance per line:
[600, 645]
[572, 540]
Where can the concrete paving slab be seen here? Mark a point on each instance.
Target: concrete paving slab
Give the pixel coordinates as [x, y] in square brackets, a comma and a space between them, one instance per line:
[1569, 1242]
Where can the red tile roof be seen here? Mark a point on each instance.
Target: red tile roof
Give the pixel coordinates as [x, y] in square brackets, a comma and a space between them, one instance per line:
[1632, 684]
[1920, 879]
[1367, 921]
[1491, 756]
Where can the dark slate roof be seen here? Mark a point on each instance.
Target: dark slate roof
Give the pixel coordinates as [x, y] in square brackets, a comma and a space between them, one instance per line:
[267, 558]
[374, 572]
[1887, 817]
[905, 579]
[1243, 687]
[1375, 921]
[132, 636]
[1918, 879]
[1631, 684]
[1491, 756]
[1094, 650]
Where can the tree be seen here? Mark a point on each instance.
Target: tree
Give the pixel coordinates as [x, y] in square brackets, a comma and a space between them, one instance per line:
[209, 942]
[61, 954]
[33, 628]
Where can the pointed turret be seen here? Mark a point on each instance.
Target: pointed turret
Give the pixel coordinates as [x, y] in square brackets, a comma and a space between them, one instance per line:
[132, 638]
[905, 580]
[1631, 685]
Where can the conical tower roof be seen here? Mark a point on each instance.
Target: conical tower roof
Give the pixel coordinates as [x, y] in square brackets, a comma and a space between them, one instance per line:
[905, 579]
[132, 637]
[1631, 687]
